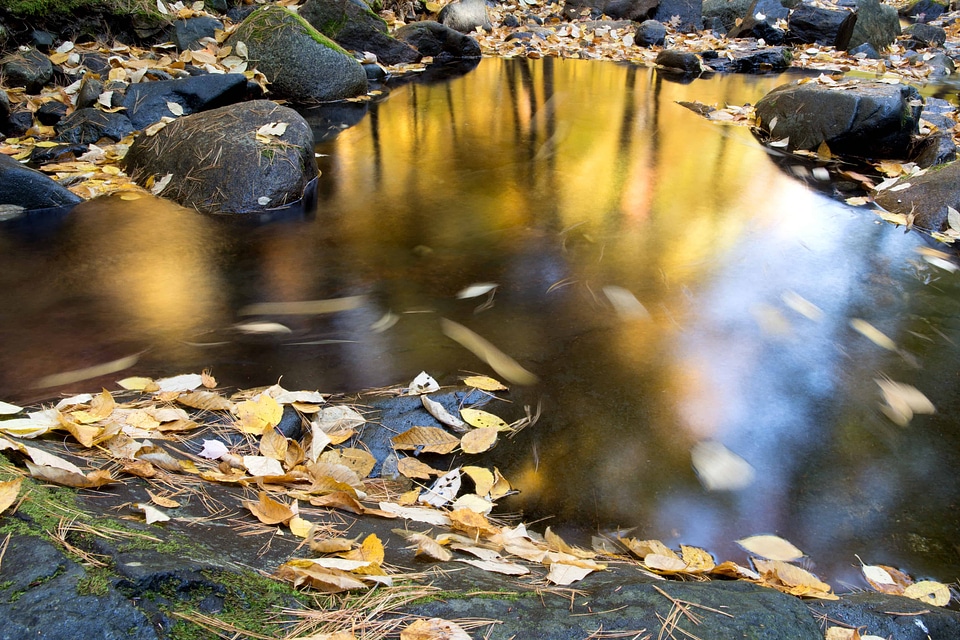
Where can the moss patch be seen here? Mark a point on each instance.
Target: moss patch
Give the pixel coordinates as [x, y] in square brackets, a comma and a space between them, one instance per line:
[273, 18]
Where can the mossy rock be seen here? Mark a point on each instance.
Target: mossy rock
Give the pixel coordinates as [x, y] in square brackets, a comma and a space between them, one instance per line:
[356, 27]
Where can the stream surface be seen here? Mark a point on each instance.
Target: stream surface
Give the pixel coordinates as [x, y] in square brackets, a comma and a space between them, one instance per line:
[557, 180]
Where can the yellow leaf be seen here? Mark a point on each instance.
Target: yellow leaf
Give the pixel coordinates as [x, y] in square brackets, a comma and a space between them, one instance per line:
[300, 527]
[697, 560]
[358, 460]
[427, 546]
[482, 419]
[100, 407]
[771, 548]
[556, 543]
[930, 592]
[478, 440]
[873, 334]
[303, 572]
[429, 439]
[484, 383]
[256, 417]
[331, 545]
[665, 564]
[163, 501]
[471, 523]
[642, 548]
[434, 629]
[483, 479]
[800, 582]
[269, 511]
[473, 502]
[205, 401]
[501, 486]
[886, 579]
[136, 383]
[273, 445]
[371, 550]
[8, 493]
[410, 467]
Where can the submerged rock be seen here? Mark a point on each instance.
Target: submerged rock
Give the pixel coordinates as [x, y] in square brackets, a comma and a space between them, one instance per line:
[216, 162]
[436, 40]
[23, 187]
[862, 119]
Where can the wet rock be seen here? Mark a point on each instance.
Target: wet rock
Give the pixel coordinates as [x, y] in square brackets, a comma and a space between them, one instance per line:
[442, 43]
[684, 62]
[187, 34]
[50, 112]
[19, 122]
[730, 12]
[687, 14]
[941, 65]
[217, 164]
[301, 64]
[89, 92]
[867, 119]
[354, 26]
[29, 69]
[877, 24]
[327, 121]
[924, 10]
[809, 24]
[147, 102]
[650, 33]
[917, 621]
[95, 63]
[465, 16]
[636, 10]
[90, 125]
[934, 149]
[760, 29]
[927, 197]
[925, 35]
[42, 40]
[59, 153]
[866, 49]
[753, 60]
[4, 109]
[30, 189]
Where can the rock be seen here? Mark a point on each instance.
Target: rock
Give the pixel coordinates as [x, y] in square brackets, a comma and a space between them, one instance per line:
[19, 122]
[877, 24]
[301, 64]
[636, 10]
[760, 29]
[867, 120]
[465, 16]
[682, 61]
[866, 49]
[4, 109]
[753, 60]
[60, 153]
[147, 102]
[925, 35]
[442, 43]
[42, 40]
[941, 65]
[934, 149]
[50, 112]
[927, 197]
[650, 33]
[90, 125]
[924, 10]
[187, 34]
[815, 25]
[354, 26]
[327, 121]
[89, 92]
[688, 14]
[25, 187]
[29, 69]
[218, 164]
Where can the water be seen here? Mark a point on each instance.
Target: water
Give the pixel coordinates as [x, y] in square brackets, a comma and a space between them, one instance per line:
[556, 179]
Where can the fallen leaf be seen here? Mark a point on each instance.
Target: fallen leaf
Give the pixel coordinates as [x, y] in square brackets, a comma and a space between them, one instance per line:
[162, 501]
[886, 579]
[471, 523]
[417, 514]
[423, 383]
[478, 440]
[426, 546]
[484, 383]
[428, 439]
[205, 401]
[434, 629]
[370, 550]
[306, 573]
[269, 511]
[152, 513]
[720, 469]
[273, 129]
[273, 445]
[563, 574]
[930, 592]
[7, 409]
[90, 480]
[440, 412]
[175, 109]
[262, 466]
[473, 502]
[443, 491]
[410, 467]
[483, 479]
[483, 419]
[497, 566]
[771, 547]
[213, 450]
[256, 416]
[9, 491]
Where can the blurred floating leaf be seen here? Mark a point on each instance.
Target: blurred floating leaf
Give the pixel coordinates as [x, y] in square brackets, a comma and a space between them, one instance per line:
[87, 373]
[902, 401]
[440, 412]
[873, 334]
[429, 439]
[262, 328]
[720, 469]
[771, 547]
[476, 290]
[930, 592]
[801, 305]
[484, 383]
[385, 322]
[478, 440]
[625, 303]
[500, 362]
[304, 307]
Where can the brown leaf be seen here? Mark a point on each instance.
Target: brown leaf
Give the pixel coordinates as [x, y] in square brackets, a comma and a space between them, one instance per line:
[478, 440]
[163, 501]
[339, 500]
[429, 439]
[91, 480]
[302, 572]
[269, 511]
[427, 546]
[471, 523]
[140, 468]
[357, 460]
[205, 401]
[434, 629]
[410, 467]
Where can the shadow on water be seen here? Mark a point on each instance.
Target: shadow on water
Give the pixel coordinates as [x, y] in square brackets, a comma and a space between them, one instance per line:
[560, 181]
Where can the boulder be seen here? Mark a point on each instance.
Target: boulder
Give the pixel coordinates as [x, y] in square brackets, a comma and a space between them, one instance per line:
[866, 49]
[815, 25]
[301, 64]
[925, 35]
[924, 10]
[90, 125]
[89, 92]
[650, 33]
[684, 62]
[442, 43]
[752, 60]
[148, 102]
[927, 197]
[877, 24]
[937, 148]
[24, 187]
[465, 16]
[687, 14]
[218, 163]
[354, 26]
[866, 120]
[941, 65]
[636, 10]
[30, 69]
[187, 34]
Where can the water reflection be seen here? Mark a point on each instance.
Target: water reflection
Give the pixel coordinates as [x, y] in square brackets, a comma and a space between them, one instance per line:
[556, 179]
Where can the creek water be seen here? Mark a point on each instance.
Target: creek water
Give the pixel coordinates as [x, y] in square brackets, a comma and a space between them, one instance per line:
[557, 180]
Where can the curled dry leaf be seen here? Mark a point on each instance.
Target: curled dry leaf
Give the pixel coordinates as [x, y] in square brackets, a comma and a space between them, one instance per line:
[427, 546]
[443, 491]
[90, 480]
[417, 514]
[302, 572]
[472, 523]
[151, 512]
[163, 501]
[423, 383]
[205, 401]
[440, 412]
[9, 491]
[269, 511]
[886, 579]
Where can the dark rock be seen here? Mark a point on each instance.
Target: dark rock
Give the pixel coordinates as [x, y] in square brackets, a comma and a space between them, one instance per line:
[375, 73]
[877, 24]
[90, 125]
[29, 69]
[187, 34]
[88, 93]
[354, 26]
[218, 165]
[687, 14]
[19, 122]
[4, 109]
[870, 610]
[511, 20]
[684, 62]
[636, 10]
[146, 102]
[924, 10]
[95, 63]
[218, 6]
[50, 112]
[291, 424]
[440, 42]
[60, 153]
[25, 187]
[934, 149]
[815, 25]
[327, 121]
[868, 120]
[866, 49]
[301, 64]
[941, 65]
[753, 60]
[465, 16]
[752, 27]
[650, 33]
[42, 40]
[731, 11]
[925, 35]
[927, 197]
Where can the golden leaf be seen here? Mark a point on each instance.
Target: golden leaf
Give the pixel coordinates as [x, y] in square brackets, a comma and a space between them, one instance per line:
[358, 460]
[664, 564]
[434, 629]
[140, 468]
[9, 491]
[483, 479]
[371, 550]
[273, 445]
[478, 440]
[331, 545]
[427, 546]
[163, 501]
[642, 548]
[205, 401]
[501, 486]
[269, 511]
[410, 467]
[930, 592]
[771, 547]
[471, 523]
[799, 582]
[697, 560]
[339, 500]
[100, 407]
[303, 572]
[484, 383]
[556, 543]
[886, 579]
[482, 419]
[300, 527]
[256, 417]
[429, 439]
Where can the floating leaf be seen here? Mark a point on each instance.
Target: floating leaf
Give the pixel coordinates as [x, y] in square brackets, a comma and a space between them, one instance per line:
[771, 547]
[429, 439]
[440, 412]
[478, 440]
[484, 383]
[476, 290]
[720, 469]
[873, 334]
[500, 362]
[482, 419]
[902, 401]
[930, 592]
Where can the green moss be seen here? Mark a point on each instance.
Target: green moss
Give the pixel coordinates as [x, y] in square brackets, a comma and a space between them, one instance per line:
[272, 18]
[39, 8]
[96, 582]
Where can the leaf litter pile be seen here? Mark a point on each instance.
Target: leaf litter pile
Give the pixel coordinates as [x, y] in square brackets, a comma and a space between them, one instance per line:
[182, 432]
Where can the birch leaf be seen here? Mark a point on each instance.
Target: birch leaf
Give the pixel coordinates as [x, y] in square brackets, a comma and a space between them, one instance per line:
[417, 514]
[484, 383]
[497, 566]
[483, 479]
[273, 445]
[7, 409]
[428, 439]
[440, 412]
[256, 416]
[483, 419]
[443, 490]
[478, 440]
[9, 491]
[434, 629]
[262, 466]
[91, 480]
[930, 592]
[427, 546]
[269, 511]
[563, 574]
[423, 383]
[162, 501]
[175, 108]
[151, 512]
[410, 467]
[213, 450]
[771, 547]
[300, 527]
[205, 401]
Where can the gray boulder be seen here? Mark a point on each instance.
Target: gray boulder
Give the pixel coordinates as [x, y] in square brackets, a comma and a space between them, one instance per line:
[684, 62]
[815, 25]
[354, 26]
[90, 125]
[753, 59]
[869, 120]
[687, 14]
[877, 24]
[187, 34]
[440, 42]
[29, 189]
[30, 69]
[925, 35]
[301, 64]
[147, 102]
[465, 16]
[636, 10]
[218, 163]
[927, 197]
[650, 33]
